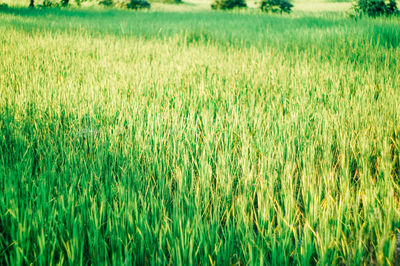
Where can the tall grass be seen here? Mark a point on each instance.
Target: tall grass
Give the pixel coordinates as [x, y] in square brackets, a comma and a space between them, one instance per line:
[205, 138]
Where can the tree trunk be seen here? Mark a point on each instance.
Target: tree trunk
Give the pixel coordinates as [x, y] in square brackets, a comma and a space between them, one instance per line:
[64, 2]
[32, 3]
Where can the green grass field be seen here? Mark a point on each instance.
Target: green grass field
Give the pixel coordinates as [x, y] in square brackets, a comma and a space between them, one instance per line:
[213, 138]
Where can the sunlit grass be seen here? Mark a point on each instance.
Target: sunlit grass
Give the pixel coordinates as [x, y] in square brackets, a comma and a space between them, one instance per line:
[205, 138]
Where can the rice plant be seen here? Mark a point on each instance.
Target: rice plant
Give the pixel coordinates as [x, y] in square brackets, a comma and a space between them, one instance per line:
[198, 138]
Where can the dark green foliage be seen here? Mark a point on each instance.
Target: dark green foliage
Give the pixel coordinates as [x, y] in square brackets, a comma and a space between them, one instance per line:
[3, 6]
[49, 3]
[53, 3]
[106, 2]
[374, 8]
[172, 1]
[130, 4]
[392, 7]
[228, 4]
[276, 6]
[138, 4]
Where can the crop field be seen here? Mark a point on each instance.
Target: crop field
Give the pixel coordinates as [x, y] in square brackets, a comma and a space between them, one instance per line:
[203, 137]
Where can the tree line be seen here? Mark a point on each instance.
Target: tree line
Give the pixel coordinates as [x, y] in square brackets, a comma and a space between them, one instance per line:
[63, 3]
[368, 7]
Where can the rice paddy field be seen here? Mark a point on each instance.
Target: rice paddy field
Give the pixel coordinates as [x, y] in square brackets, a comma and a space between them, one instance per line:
[215, 138]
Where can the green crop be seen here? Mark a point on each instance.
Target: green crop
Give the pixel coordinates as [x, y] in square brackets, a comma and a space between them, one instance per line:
[198, 138]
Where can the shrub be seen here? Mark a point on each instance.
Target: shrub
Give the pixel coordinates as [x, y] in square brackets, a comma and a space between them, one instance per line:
[3, 6]
[228, 4]
[276, 6]
[106, 2]
[131, 4]
[172, 1]
[138, 4]
[54, 3]
[391, 7]
[374, 8]
[49, 3]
